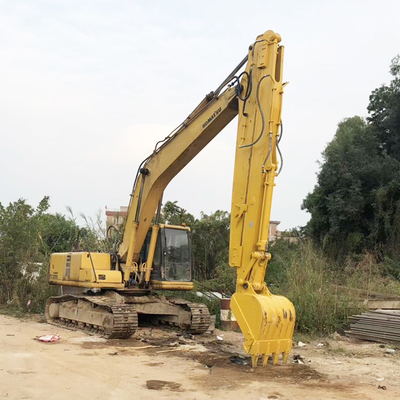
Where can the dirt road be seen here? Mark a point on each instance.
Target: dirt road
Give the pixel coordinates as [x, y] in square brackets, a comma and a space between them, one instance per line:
[158, 364]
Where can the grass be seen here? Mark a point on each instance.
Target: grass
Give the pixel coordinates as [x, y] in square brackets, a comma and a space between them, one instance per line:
[310, 283]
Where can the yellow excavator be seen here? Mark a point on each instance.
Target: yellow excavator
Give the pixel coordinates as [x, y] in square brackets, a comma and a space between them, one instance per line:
[117, 289]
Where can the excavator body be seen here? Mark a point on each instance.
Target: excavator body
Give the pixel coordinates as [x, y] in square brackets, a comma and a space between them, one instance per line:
[152, 256]
[171, 258]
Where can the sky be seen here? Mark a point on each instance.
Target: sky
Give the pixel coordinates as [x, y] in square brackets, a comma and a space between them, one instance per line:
[88, 88]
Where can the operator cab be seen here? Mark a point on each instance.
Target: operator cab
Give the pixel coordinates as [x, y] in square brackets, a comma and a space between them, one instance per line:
[173, 254]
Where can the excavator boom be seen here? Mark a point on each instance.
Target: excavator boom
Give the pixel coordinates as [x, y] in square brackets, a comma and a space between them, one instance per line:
[167, 160]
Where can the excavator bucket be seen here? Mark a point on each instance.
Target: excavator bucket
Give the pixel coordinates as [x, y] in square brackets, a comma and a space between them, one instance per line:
[268, 329]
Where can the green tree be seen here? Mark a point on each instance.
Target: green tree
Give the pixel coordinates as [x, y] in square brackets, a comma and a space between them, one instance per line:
[56, 234]
[175, 215]
[384, 113]
[211, 243]
[17, 244]
[355, 206]
[27, 237]
[340, 205]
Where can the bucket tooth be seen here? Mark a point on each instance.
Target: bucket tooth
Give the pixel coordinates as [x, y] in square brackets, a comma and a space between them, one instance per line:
[265, 359]
[275, 358]
[285, 356]
[254, 360]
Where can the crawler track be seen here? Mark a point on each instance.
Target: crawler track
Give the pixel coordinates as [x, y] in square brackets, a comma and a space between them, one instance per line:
[200, 315]
[116, 317]
[200, 318]
[94, 315]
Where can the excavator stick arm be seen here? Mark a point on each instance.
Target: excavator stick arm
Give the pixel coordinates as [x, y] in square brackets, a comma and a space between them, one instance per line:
[267, 321]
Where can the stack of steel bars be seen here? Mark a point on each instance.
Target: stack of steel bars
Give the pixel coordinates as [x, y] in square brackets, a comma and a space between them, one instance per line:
[376, 326]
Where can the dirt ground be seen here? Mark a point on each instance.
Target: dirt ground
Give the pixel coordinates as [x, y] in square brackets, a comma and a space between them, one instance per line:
[164, 364]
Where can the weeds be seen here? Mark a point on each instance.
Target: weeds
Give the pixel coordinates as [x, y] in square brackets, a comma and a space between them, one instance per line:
[371, 276]
[31, 292]
[311, 285]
